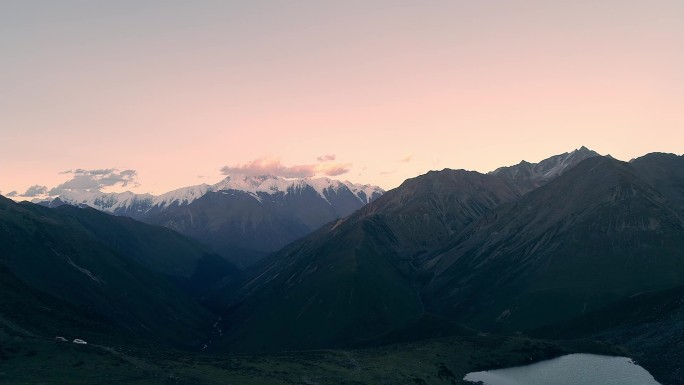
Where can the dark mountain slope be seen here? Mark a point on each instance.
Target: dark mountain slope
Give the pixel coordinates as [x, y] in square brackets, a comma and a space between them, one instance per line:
[234, 223]
[246, 226]
[665, 172]
[28, 312]
[427, 210]
[47, 253]
[319, 294]
[160, 249]
[353, 280]
[597, 234]
[650, 325]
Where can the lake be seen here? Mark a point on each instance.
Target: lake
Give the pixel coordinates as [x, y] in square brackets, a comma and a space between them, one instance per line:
[572, 369]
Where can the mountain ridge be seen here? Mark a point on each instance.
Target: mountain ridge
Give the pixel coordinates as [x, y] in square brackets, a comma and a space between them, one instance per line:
[243, 218]
[131, 204]
[469, 247]
[595, 249]
[528, 176]
[368, 254]
[599, 214]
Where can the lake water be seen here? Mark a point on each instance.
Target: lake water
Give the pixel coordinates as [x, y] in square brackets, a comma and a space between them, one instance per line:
[572, 369]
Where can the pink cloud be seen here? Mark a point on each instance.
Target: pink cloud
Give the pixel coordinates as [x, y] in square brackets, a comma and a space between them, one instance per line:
[273, 166]
[34, 191]
[95, 180]
[332, 169]
[326, 158]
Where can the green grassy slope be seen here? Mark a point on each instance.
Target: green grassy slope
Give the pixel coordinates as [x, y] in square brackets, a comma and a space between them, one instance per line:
[162, 250]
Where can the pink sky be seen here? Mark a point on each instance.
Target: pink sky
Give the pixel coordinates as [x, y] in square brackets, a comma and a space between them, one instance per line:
[392, 89]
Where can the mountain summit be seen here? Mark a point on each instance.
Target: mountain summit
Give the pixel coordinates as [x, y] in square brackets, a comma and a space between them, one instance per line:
[468, 247]
[528, 176]
[597, 234]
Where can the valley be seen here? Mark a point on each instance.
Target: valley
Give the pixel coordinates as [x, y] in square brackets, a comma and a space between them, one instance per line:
[452, 272]
[444, 360]
[391, 192]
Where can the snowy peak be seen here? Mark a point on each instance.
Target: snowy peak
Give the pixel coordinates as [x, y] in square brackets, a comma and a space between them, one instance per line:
[527, 176]
[261, 186]
[365, 192]
[110, 202]
[269, 184]
[557, 165]
[181, 196]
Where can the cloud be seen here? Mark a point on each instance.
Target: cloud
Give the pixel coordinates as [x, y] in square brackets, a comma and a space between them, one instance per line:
[96, 179]
[34, 191]
[326, 158]
[406, 158]
[11, 194]
[273, 166]
[332, 169]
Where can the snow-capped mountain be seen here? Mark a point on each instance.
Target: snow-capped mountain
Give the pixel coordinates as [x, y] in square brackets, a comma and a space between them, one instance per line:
[268, 184]
[259, 187]
[241, 217]
[528, 176]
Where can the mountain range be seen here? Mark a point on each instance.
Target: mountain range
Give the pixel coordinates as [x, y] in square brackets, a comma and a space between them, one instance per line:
[380, 257]
[578, 247]
[243, 218]
[597, 234]
[471, 248]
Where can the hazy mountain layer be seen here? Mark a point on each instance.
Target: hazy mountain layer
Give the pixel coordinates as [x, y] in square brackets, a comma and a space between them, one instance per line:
[242, 217]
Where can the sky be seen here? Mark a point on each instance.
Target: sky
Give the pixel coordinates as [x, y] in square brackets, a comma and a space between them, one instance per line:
[152, 95]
